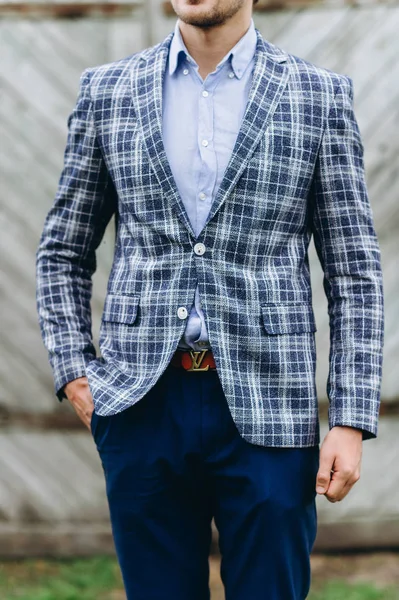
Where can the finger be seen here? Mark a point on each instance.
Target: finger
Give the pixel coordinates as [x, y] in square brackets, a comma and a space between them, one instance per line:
[338, 482]
[84, 401]
[83, 404]
[88, 419]
[324, 473]
[345, 491]
[87, 423]
[339, 494]
[84, 412]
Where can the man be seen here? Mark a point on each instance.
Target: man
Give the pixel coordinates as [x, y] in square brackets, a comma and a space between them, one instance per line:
[220, 156]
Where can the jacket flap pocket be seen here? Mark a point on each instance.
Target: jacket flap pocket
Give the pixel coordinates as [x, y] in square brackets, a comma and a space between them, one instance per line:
[295, 317]
[120, 308]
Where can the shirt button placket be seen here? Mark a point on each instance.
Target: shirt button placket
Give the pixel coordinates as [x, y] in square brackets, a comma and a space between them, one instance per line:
[205, 136]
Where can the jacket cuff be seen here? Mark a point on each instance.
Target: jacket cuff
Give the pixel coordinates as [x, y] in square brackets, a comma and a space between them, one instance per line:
[67, 368]
[369, 429]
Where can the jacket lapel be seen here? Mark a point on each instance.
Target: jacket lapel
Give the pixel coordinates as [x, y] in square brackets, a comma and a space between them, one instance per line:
[269, 80]
[146, 80]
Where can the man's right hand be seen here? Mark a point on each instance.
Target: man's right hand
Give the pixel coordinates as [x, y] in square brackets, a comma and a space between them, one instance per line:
[79, 395]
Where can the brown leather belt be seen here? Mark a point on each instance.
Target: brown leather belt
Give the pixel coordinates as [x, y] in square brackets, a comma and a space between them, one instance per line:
[192, 360]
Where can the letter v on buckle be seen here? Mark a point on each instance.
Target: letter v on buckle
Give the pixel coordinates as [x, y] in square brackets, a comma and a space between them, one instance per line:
[198, 357]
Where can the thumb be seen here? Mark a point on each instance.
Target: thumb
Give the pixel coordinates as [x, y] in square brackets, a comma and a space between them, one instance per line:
[324, 474]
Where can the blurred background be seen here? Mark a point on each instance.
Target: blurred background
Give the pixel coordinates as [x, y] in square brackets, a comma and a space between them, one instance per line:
[52, 491]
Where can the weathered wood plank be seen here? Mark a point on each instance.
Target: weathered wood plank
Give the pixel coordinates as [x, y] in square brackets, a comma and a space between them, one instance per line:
[75, 477]
[67, 10]
[49, 481]
[60, 539]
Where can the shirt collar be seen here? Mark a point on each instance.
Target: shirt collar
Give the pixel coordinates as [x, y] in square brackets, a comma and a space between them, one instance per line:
[241, 54]
[177, 48]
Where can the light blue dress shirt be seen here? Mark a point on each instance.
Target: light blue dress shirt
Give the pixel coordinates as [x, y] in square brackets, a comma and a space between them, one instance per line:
[201, 120]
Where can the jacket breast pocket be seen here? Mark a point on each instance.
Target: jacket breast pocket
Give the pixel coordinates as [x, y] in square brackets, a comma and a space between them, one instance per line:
[294, 317]
[120, 308]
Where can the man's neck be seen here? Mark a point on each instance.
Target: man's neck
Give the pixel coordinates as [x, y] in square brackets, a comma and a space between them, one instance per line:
[209, 46]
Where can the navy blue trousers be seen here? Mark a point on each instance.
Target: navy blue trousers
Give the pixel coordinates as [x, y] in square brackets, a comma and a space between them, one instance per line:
[172, 462]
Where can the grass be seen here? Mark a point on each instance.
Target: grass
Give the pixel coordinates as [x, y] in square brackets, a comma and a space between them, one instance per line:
[86, 579]
[336, 590]
[99, 579]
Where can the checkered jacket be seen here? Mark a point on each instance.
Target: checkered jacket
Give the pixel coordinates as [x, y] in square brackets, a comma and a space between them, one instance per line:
[296, 171]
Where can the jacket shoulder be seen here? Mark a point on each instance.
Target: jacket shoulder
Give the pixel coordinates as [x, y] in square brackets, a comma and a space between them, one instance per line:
[311, 76]
[118, 72]
[306, 74]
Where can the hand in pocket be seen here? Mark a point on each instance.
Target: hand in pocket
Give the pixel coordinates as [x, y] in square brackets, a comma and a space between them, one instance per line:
[79, 395]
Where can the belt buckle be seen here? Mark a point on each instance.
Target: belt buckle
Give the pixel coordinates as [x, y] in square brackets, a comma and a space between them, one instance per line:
[197, 357]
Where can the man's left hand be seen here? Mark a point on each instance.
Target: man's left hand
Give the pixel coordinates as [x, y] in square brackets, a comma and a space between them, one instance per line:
[340, 457]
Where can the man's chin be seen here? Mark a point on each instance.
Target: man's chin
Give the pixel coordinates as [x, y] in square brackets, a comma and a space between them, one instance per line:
[200, 13]
[207, 13]
[201, 22]
[200, 18]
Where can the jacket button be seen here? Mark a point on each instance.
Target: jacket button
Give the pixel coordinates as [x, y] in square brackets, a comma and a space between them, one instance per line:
[182, 312]
[199, 249]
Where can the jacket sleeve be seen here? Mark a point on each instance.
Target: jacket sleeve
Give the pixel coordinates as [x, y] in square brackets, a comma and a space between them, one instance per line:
[65, 260]
[348, 250]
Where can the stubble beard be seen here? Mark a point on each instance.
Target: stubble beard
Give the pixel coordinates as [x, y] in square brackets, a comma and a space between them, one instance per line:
[214, 17]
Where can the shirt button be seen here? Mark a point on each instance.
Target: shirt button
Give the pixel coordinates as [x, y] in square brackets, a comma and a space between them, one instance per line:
[185, 71]
[202, 196]
[205, 94]
[182, 312]
[205, 143]
[231, 74]
[199, 249]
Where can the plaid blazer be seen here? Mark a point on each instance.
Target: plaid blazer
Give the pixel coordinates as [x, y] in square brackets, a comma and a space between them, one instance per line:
[296, 171]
